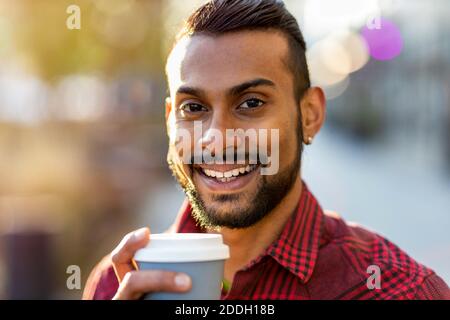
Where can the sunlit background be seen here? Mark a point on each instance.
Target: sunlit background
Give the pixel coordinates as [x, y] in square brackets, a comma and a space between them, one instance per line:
[83, 142]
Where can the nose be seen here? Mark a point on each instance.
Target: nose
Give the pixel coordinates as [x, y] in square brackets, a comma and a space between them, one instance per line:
[215, 132]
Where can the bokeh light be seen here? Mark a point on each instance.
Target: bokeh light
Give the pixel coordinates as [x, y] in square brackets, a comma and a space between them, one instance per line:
[385, 42]
[334, 58]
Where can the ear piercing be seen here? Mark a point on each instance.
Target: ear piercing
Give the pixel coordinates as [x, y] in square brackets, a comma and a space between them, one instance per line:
[309, 140]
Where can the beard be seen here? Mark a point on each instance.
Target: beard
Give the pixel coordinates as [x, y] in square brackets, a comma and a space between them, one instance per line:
[270, 191]
[246, 209]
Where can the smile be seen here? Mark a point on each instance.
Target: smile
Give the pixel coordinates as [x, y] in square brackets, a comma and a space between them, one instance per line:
[229, 175]
[231, 180]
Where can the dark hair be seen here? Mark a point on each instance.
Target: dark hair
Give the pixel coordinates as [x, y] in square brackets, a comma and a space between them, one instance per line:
[224, 16]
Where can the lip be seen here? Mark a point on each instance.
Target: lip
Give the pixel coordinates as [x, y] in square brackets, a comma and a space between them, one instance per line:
[232, 186]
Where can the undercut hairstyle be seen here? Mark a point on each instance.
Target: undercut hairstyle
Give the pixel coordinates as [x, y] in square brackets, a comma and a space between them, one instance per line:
[218, 17]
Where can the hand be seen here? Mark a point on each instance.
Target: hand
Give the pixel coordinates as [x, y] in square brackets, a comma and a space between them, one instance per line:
[134, 283]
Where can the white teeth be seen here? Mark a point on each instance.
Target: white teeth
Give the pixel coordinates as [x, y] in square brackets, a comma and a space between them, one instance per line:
[228, 175]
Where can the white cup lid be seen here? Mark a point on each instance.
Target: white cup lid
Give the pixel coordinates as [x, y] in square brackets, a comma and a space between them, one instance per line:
[183, 247]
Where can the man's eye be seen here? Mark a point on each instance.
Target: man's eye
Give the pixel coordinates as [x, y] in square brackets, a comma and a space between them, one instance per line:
[251, 103]
[193, 107]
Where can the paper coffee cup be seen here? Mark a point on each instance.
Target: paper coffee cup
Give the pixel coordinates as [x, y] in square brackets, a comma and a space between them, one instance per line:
[200, 255]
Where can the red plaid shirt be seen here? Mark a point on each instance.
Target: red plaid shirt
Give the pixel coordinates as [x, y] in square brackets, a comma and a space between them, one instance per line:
[317, 256]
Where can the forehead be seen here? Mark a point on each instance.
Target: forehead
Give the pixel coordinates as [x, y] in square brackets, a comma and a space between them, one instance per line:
[219, 62]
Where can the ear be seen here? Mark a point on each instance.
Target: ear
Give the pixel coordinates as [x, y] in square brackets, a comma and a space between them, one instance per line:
[313, 109]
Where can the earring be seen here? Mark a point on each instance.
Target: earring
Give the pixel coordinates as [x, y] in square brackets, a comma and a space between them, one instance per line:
[309, 140]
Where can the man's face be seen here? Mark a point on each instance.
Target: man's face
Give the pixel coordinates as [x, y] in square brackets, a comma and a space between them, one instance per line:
[234, 81]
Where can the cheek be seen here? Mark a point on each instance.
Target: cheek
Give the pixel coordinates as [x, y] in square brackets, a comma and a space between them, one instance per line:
[288, 142]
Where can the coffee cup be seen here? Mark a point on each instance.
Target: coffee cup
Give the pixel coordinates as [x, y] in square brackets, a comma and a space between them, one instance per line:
[200, 255]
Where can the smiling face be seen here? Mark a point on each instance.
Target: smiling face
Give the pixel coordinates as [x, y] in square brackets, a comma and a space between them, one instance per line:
[238, 80]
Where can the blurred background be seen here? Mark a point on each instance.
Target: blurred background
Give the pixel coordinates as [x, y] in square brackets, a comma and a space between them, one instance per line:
[83, 142]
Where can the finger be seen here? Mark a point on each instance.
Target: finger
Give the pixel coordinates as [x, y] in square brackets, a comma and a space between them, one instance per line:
[137, 283]
[122, 255]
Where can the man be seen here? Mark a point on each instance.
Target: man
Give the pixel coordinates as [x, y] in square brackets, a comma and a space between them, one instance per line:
[240, 64]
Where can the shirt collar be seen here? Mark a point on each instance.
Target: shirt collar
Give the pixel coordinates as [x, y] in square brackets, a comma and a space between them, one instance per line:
[297, 247]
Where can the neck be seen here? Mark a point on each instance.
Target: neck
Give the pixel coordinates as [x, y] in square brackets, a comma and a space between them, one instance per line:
[248, 243]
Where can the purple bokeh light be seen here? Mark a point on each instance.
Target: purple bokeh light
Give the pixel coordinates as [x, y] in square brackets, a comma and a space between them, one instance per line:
[384, 42]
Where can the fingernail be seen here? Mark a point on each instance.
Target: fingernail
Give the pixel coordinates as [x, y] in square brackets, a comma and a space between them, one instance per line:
[140, 234]
[182, 280]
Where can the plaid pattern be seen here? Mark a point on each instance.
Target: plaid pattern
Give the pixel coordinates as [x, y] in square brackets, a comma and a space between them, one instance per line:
[317, 256]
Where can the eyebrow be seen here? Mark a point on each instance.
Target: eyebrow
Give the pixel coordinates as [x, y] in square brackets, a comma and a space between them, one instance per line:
[191, 91]
[236, 90]
[233, 91]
